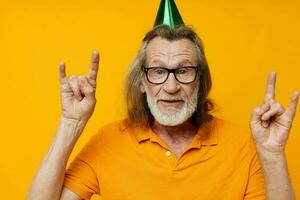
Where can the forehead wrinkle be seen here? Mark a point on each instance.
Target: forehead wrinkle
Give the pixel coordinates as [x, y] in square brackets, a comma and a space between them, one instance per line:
[166, 52]
[158, 56]
[170, 51]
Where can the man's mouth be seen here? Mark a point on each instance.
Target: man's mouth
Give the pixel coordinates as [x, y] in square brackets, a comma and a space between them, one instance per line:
[174, 103]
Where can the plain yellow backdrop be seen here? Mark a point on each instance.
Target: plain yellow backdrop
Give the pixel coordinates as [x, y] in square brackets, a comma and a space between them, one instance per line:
[244, 41]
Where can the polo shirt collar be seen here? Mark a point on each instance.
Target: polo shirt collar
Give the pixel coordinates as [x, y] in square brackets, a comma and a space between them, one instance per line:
[205, 136]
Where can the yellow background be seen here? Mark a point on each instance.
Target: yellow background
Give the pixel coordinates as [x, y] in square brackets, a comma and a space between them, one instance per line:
[244, 41]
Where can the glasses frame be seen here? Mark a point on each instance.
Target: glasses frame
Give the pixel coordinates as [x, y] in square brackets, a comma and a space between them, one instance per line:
[173, 71]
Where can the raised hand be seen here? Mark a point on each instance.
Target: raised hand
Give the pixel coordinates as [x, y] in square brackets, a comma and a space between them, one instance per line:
[78, 93]
[270, 123]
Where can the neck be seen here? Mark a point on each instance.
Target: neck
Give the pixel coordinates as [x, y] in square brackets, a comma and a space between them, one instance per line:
[183, 131]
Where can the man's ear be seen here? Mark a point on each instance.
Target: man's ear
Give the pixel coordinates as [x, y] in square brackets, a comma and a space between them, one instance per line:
[142, 87]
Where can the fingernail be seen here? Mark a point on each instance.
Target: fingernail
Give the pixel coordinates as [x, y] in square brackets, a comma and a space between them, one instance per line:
[265, 124]
[79, 98]
[295, 96]
[95, 54]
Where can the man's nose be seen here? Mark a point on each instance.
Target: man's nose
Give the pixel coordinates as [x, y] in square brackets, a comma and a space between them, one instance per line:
[171, 85]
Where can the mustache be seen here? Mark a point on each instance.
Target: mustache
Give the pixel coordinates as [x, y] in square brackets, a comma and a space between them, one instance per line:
[165, 97]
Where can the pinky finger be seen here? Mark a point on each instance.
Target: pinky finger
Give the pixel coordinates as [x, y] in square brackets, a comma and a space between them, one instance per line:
[291, 110]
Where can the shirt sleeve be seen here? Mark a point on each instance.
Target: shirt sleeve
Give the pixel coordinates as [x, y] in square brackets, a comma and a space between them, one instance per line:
[256, 184]
[81, 177]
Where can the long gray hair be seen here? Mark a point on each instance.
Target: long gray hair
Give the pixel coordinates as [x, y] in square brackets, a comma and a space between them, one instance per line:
[138, 112]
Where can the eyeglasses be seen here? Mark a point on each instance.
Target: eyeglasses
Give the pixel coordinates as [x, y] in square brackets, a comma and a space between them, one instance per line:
[159, 75]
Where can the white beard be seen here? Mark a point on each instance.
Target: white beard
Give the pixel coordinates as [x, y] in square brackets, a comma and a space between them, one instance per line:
[172, 116]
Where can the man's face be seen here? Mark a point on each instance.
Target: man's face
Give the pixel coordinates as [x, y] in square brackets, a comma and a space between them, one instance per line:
[171, 103]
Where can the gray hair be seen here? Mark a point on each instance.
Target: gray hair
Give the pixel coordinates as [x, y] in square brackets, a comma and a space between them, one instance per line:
[138, 112]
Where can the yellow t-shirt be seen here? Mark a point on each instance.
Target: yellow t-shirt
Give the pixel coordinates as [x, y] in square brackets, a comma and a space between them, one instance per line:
[121, 163]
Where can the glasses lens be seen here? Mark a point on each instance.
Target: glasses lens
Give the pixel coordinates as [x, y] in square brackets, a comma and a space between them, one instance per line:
[157, 75]
[186, 74]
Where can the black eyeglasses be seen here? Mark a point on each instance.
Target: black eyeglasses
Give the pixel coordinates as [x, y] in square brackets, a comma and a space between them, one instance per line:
[159, 75]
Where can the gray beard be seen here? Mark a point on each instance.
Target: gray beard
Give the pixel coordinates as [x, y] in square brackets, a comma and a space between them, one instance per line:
[173, 116]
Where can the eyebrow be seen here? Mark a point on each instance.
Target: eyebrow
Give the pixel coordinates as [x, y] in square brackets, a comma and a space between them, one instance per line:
[180, 64]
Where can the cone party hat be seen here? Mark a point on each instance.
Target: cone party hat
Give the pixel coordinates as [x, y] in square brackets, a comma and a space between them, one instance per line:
[168, 14]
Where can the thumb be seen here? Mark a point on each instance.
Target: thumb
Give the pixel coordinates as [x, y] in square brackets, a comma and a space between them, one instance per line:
[85, 87]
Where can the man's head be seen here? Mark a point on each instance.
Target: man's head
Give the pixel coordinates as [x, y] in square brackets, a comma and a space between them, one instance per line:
[169, 80]
[171, 102]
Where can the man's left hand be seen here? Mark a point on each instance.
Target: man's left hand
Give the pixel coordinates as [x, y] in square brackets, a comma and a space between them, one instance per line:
[271, 122]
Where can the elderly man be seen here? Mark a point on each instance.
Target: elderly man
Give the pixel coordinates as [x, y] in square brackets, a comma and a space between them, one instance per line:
[169, 146]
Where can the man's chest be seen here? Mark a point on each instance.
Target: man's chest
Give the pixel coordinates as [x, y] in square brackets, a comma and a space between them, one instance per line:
[152, 173]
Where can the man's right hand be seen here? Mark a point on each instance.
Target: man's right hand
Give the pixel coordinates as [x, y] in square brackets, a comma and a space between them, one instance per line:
[78, 92]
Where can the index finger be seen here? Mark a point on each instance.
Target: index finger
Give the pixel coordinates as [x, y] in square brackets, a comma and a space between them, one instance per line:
[94, 66]
[62, 72]
[270, 90]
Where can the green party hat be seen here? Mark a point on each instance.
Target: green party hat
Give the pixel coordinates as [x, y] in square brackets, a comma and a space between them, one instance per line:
[168, 14]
